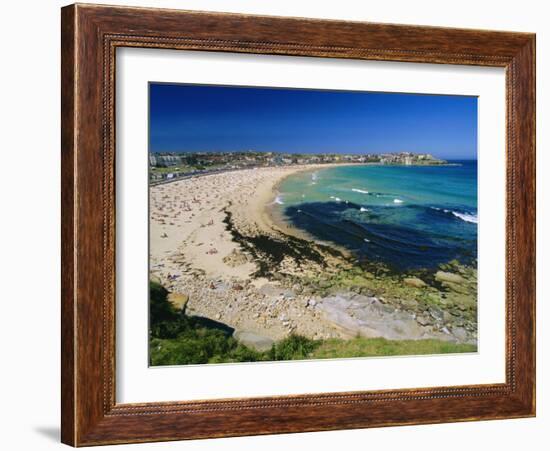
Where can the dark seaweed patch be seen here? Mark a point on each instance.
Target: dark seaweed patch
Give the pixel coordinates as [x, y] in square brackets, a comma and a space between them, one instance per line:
[269, 252]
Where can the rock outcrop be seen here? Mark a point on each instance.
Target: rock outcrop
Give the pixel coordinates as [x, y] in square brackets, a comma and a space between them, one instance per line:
[364, 316]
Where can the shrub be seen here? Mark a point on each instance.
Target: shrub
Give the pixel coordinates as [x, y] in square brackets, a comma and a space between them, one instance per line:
[160, 308]
[294, 347]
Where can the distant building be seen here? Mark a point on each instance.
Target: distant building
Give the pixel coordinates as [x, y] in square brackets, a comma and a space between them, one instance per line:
[167, 160]
[278, 159]
[200, 162]
[425, 156]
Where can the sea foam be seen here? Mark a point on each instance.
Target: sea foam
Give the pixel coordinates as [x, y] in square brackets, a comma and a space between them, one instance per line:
[278, 200]
[465, 216]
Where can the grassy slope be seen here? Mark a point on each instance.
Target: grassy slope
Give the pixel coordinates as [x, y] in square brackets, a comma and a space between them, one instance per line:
[379, 347]
[183, 350]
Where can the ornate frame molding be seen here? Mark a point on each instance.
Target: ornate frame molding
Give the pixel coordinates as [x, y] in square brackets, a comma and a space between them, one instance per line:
[90, 37]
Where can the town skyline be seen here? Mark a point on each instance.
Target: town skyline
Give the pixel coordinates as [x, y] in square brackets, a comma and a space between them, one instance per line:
[172, 165]
[204, 118]
[283, 152]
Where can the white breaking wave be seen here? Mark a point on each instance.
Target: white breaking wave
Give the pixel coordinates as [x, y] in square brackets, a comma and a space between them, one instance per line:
[337, 199]
[465, 216]
[397, 201]
[363, 209]
[444, 210]
[362, 191]
[278, 200]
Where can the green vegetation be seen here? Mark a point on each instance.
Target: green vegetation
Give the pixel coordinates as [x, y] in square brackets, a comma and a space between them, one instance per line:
[169, 169]
[378, 347]
[183, 169]
[178, 339]
[209, 346]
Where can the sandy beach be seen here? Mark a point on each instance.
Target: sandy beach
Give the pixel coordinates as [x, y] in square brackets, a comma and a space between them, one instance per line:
[215, 246]
[193, 253]
[188, 215]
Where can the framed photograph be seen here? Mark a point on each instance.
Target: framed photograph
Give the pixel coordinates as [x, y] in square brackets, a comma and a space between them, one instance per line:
[279, 225]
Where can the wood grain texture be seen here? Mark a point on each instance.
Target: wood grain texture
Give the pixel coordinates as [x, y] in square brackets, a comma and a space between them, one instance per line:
[90, 36]
[68, 240]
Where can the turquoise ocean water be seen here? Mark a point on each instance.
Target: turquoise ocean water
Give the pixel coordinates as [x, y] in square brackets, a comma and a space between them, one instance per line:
[407, 217]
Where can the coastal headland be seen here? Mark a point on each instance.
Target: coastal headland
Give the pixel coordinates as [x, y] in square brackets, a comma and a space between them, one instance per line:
[215, 246]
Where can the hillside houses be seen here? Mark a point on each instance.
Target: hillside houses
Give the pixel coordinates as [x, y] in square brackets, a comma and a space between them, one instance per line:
[170, 165]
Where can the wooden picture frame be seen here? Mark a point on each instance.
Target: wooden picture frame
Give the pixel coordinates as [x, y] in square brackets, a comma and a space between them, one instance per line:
[90, 36]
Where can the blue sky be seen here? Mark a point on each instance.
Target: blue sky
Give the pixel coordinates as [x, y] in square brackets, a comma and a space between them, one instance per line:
[185, 118]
